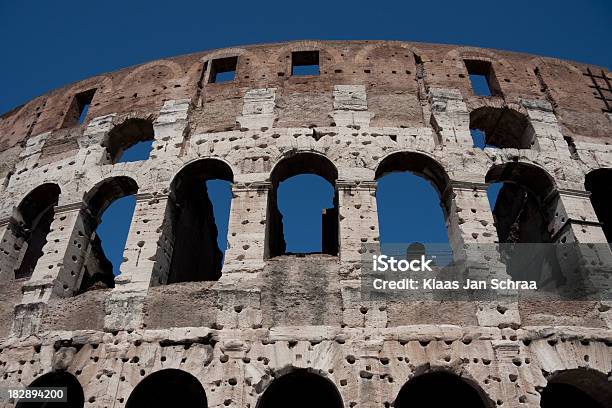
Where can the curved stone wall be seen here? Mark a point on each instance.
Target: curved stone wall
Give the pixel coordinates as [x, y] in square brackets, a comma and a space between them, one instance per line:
[374, 107]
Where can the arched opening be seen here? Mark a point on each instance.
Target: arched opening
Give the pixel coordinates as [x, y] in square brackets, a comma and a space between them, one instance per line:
[524, 201]
[129, 141]
[28, 229]
[197, 219]
[582, 388]
[502, 128]
[439, 390]
[411, 196]
[523, 204]
[73, 393]
[102, 252]
[303, 206]
[301, 389]
[599, 184]
[168, 388]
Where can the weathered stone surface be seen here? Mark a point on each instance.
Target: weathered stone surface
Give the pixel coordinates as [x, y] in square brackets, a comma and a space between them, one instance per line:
[263, 316]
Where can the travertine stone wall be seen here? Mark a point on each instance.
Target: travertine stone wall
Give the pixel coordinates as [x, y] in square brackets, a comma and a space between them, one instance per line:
[373, 102]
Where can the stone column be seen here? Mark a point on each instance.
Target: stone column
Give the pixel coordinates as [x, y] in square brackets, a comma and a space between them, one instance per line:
[146, 261]
[258, 109]
[470, 220]
[543, 123]
[450, 117]
[574, 219]
[169, 129]
[582, 244]
[246, 235]
[58, 271]
[358, 217]
[9, 257]
[351, 106]
[473, 238]
[507, 352]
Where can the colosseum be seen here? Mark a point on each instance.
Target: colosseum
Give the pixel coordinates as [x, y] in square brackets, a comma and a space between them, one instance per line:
[266, 328]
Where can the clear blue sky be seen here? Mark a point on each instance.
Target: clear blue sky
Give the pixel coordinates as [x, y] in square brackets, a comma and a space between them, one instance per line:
[48, 44]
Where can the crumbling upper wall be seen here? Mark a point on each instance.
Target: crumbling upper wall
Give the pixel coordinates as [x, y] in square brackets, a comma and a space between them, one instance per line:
[396, 74]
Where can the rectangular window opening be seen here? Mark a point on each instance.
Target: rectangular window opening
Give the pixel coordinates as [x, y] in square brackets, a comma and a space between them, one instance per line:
[482, 77]
[304, 63]
[223, 70]
[79, 108]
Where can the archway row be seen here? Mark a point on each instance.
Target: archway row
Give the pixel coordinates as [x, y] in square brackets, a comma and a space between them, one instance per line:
[307, 388]
[523, 209]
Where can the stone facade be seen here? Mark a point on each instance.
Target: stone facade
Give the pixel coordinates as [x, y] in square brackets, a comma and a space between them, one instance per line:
[375, 107]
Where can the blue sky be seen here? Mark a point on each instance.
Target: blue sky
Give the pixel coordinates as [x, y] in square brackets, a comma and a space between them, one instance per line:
[49, 44]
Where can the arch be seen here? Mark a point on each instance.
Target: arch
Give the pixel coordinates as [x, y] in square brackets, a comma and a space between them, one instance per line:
[132, 76]
[581, 387]
[524, 213]
[168, 388]
[64, 379]
[599, 183]
[418, 163]
[474, 53]
[441, 389]
[503, 126]
[402, 176]
[90, 265]
[323, 49]
[301, 388]
[28, 228]
[101, 195]
[200, 170]
[303, 163]
[368, 50]
[193, 230]
[125, 135]
[532, 177]
[294, 164]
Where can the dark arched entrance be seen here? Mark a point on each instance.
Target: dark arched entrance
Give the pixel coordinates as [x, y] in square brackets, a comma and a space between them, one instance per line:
[168, 388]
[438, 390]
[599, 184]
[191, 225]
[577, 388]
[74, 391]
[301, 389]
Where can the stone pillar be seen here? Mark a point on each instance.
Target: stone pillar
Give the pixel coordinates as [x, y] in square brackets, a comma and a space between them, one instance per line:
[9, 256]
[507, 353]
[169, 128]
[28, 157]
[450, 117]
[58, 271]
[470, 219]
[63, 254]
[358, 217]
[370, 390]
[574, 219]
[141, 265]
[474, 239]
[146, 261]
[351, 106]
[246, 240]
[258, 109]
[574, 228]
[543, 123]
[91, 152]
